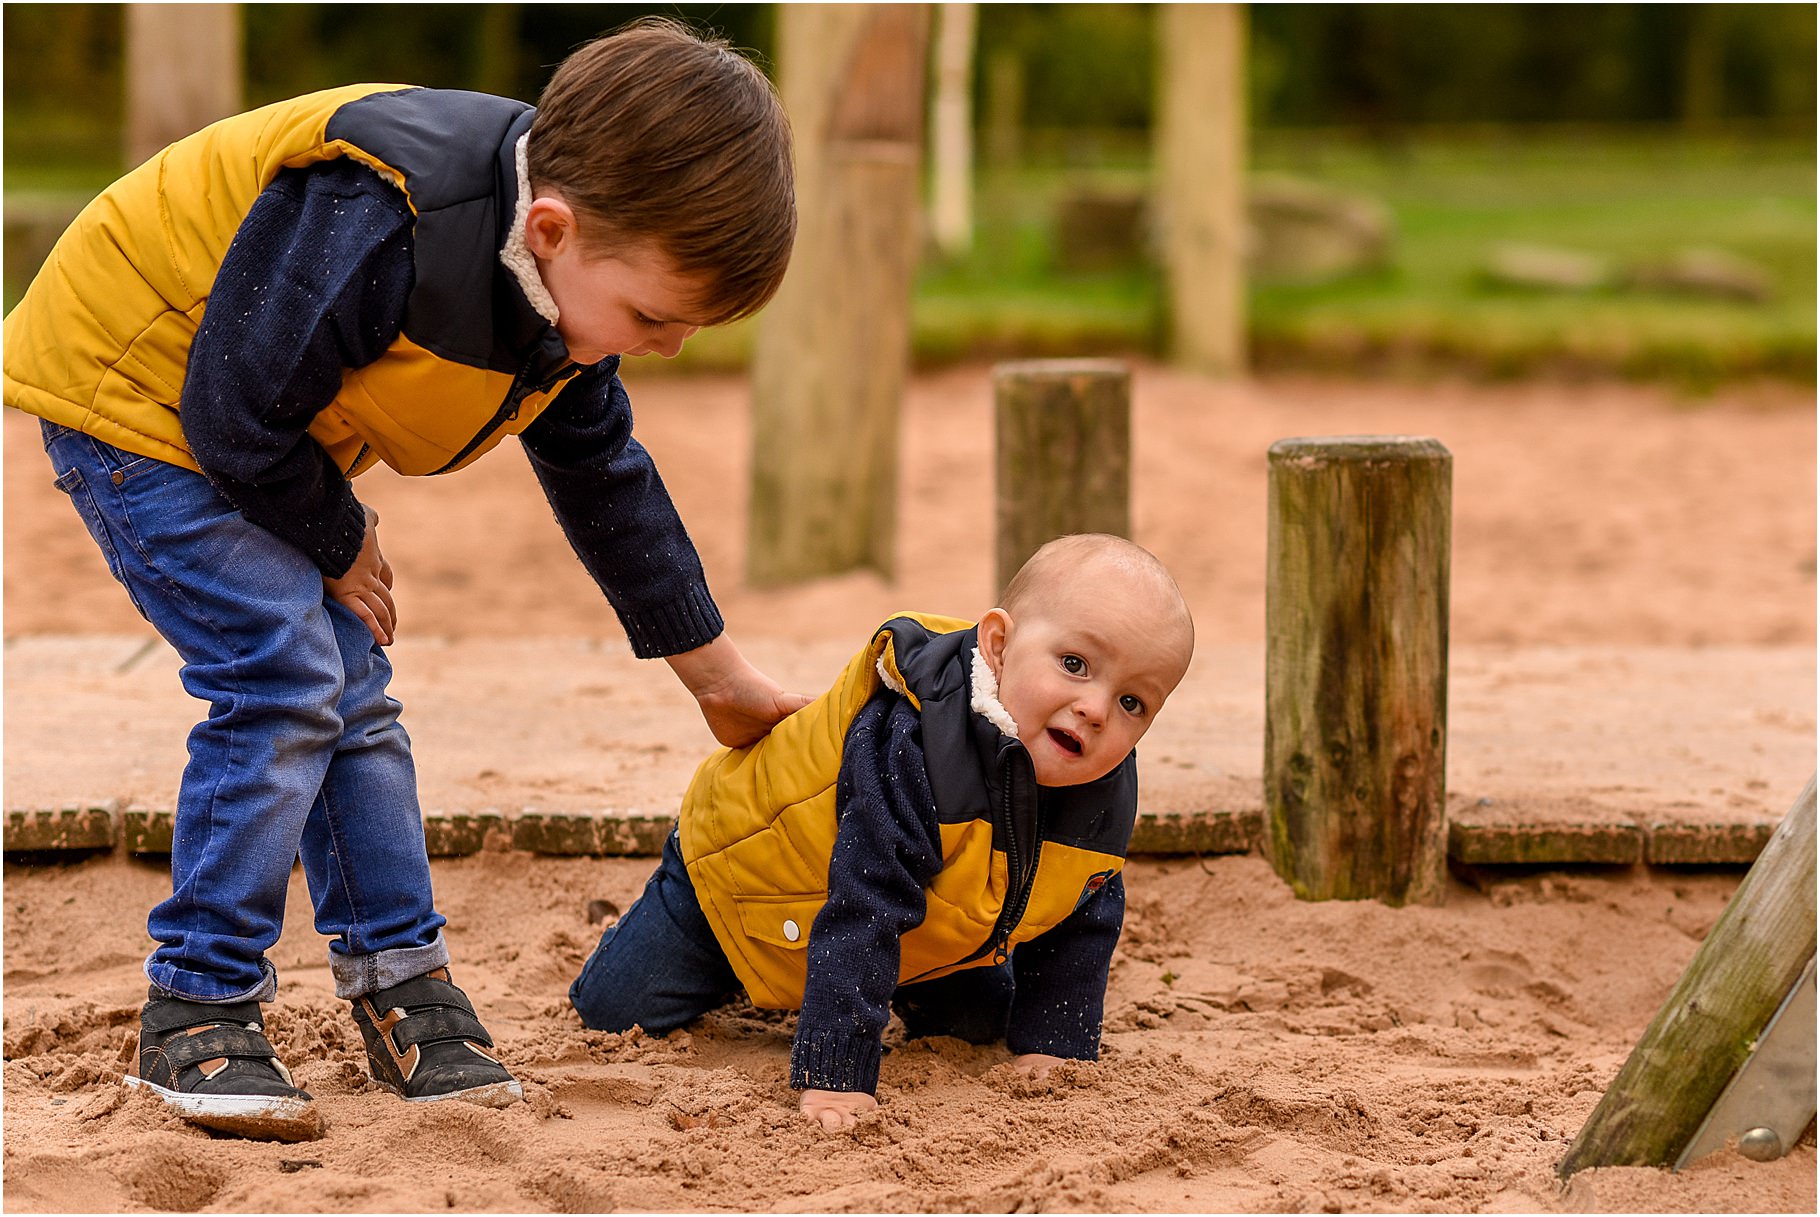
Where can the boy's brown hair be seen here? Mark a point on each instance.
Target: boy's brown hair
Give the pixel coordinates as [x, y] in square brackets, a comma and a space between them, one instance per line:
[656, 134]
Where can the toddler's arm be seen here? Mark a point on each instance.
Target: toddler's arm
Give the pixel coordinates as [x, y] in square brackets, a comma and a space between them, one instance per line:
[1060, 994]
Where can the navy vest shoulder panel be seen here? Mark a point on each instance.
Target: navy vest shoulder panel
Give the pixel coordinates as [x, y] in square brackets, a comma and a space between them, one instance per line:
[456, 150]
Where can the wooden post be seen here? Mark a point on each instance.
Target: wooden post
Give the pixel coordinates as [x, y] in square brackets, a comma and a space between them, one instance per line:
[1200, 145]
[951, 130]
[183, 71]
[1749, 961]
[833, 348]
[1063, 454]
[1355, 681]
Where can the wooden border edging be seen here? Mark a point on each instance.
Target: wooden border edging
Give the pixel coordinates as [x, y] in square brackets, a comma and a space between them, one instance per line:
[100, 825]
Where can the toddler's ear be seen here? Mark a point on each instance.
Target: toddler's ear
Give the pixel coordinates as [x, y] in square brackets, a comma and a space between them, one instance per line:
[995, 631]
[549, 222]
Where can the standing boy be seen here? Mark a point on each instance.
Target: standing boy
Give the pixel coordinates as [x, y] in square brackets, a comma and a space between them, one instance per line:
[943, 832]
[376, 273]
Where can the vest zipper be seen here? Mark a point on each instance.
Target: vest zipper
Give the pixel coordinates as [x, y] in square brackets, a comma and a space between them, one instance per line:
[1023, 880]
[508, 410]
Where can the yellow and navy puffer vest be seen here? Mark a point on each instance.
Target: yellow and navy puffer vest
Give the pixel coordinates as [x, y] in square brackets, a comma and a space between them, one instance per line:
[758, 823]
[101, 340]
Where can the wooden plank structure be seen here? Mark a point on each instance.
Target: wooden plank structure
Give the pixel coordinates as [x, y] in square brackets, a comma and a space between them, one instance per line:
[1355, 717]
[1062, 452]
[1747, 965]
[833, 348]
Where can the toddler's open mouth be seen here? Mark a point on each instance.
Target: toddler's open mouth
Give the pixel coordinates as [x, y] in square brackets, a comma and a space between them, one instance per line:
[1065, 741]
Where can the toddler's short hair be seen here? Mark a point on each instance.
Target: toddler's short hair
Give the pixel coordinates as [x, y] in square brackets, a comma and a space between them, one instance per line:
[656, 134]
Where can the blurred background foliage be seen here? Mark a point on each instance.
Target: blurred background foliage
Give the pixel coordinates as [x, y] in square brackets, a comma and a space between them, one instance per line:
[1620, 131]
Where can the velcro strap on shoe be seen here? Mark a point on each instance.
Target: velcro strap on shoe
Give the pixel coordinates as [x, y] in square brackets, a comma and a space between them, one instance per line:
[173, 1013]
[185, 1050]
[430, 1026]
[422, 991]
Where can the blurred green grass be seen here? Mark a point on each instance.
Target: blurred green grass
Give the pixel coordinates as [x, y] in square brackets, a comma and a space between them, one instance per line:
[1453, 195]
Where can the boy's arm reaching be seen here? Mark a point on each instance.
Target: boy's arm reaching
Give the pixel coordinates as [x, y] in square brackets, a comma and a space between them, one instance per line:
[1060, 995]
[886, 851]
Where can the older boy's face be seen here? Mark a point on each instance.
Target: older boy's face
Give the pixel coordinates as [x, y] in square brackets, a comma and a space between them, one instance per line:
[1084, 677]
[630, 302]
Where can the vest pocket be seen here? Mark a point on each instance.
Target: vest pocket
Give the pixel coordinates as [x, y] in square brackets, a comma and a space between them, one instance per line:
[781, 921]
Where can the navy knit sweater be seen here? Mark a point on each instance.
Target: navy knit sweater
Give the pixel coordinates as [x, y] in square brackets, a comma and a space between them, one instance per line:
[887, 850]
[315, 281]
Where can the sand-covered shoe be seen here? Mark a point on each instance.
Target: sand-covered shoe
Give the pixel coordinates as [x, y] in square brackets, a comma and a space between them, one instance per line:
[424, 1042]
[213, 1065]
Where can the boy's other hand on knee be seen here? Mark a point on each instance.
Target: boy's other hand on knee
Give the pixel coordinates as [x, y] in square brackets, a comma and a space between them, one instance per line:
[1035, 1064]
[739, 702]
[837, 1109]
[366, 589]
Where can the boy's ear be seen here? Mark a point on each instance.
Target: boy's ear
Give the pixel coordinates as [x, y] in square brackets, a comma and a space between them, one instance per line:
[549, 225]
[995, 631]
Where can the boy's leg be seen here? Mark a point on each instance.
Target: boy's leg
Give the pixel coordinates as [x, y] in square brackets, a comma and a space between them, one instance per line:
[369, 875]
[659, 966]
[973, 1004]
[243, 611]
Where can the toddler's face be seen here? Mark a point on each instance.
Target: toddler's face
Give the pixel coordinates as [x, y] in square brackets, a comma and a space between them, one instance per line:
[631, 302]
[1083, 678]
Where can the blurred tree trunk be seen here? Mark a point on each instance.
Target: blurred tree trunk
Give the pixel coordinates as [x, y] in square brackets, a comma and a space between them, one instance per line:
[951, 170]
[183, 71]
[1703, 66]
[1004, 109]
[1201, 171]
[495, 56]
[833, 347]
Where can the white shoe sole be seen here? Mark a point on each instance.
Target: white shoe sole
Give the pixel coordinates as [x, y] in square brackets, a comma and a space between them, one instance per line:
[493, 1094]
[259, 1116]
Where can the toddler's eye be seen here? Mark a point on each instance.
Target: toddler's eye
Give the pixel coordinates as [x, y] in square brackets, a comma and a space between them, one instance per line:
[1074, 665]
[1131, 705]
[647, 322]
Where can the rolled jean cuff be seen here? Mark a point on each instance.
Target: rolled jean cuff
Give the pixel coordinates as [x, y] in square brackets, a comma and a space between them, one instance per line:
[266, 990]
[363, 975]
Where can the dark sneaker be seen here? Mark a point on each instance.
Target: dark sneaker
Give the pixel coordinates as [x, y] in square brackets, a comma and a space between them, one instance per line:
[214, 1066]
[424, 1042]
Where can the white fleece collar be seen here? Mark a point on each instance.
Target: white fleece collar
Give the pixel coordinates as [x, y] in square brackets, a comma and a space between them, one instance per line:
[516, 255]
[985, 697]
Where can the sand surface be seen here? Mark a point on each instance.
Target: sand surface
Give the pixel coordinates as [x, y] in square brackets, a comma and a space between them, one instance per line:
[1261, 1054]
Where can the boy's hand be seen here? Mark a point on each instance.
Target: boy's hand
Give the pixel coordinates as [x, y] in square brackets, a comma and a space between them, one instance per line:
[1035, 1064]
[837, 1109]
[739, 702]
[367, 587]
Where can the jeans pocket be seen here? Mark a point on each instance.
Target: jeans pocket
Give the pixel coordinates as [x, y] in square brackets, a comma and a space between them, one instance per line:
[72, 483]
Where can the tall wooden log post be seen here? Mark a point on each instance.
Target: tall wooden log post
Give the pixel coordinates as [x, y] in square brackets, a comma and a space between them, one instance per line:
[1355, 696]
[833, 348]
[183, 71]
[1063, 454]
[1749, 961]
[951, 129]
[1200, 154]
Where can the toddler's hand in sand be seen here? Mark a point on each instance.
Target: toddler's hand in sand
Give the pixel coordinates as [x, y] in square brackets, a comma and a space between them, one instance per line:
[739, 702]
[1035, 1064]
[837, 1109]
[366, 588]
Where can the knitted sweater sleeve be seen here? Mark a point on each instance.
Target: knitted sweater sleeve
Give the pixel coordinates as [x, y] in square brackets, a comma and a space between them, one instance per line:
[1060, 978]
[887, 850]
[612, 504]
[314, 281]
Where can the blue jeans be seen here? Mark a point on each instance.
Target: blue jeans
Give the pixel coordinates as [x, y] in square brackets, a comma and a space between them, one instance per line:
[659, 967]
[301, 752]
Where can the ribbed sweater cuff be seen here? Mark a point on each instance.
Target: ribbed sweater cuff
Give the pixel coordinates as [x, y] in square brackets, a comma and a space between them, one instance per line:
[337, 551]
[825, 1059]
[691, 621]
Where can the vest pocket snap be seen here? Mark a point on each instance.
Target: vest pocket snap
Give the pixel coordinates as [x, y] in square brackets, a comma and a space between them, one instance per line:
[782, 922]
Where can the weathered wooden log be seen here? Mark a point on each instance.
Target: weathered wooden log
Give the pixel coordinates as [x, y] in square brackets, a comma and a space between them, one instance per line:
[1062, 451]
[1355, 698]
[833, 348]
[1690, 1051]
[1200, 148]
[183, 71]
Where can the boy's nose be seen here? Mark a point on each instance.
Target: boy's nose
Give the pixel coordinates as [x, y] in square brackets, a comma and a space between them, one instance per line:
[672, 351]
[1092, 707]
